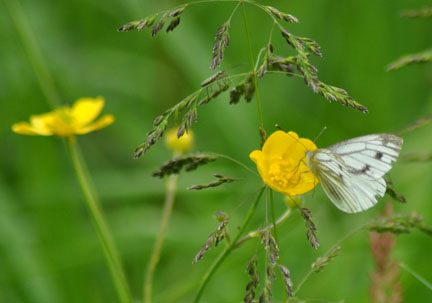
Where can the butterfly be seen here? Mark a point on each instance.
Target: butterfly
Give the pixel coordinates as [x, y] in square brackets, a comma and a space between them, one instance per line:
[351, 172]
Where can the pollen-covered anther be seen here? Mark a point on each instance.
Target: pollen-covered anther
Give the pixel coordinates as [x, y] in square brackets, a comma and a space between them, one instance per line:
[281, 173]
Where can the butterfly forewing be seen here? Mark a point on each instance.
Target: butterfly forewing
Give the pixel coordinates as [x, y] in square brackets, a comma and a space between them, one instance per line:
[370, 156]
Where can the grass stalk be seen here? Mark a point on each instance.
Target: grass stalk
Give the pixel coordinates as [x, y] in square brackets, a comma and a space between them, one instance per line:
[258, 99]
[229, 249]
[171, 188]
[273, 215]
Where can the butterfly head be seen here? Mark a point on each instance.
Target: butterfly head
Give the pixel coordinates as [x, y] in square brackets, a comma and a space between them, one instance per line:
[310, 161]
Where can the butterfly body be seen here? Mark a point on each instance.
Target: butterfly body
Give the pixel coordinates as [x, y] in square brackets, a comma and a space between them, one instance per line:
[351, 172]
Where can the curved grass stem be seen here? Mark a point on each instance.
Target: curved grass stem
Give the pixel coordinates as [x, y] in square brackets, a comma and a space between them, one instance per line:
[338, 242]
[171, 188]
[235, 161]
[229, 249]
[104, 234]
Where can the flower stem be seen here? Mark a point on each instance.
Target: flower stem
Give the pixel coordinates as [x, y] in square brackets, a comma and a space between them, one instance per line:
[229, 249]
[171, 188]
[260, 115]
[52, 97]
[105, 237]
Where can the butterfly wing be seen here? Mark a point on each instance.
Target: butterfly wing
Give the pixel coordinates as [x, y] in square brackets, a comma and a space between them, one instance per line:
[336, 181]
[369, 156]
[351, 172]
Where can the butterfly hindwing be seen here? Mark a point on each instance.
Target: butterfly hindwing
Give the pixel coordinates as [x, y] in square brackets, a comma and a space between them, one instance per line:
[335, 180]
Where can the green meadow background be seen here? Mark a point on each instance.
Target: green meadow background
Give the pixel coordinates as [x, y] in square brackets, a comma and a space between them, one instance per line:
[49, 249]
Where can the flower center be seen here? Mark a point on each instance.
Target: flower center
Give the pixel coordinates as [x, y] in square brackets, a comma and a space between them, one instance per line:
[281, 172]
[62, 123]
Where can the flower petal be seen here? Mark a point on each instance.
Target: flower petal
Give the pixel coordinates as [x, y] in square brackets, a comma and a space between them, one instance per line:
[256, 156]
[279, 143]
[43, 122]
[24, 128]
[85, 110]
[261, 162]
[104, 121]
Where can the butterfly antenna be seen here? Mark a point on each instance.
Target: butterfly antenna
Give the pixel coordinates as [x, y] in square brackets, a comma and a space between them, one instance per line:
[321, 132]
[297, 139]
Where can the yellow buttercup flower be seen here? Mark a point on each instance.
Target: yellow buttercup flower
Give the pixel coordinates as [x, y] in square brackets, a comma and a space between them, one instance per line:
[179, 145]
[281, 163]
[67, 121]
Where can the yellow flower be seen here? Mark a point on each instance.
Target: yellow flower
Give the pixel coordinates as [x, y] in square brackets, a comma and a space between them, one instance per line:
[67, 121]
[179, 145]
[281, 163]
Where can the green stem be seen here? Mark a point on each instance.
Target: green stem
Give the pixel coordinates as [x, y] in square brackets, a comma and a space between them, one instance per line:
[229, 249]
[259, 233]
[105, 237]
[264, 49]
[271, 33]
[273, 214]
[171, 188]
[338, 242]
[276, 238]
[233, 12]
[416, 275]
[52, 97]
[33, 51]
[260, 115]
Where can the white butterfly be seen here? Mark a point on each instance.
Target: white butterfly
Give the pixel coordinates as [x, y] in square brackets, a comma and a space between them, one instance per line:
[351, 172]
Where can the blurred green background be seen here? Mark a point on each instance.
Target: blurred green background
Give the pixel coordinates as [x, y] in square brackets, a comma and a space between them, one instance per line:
[49, 250]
